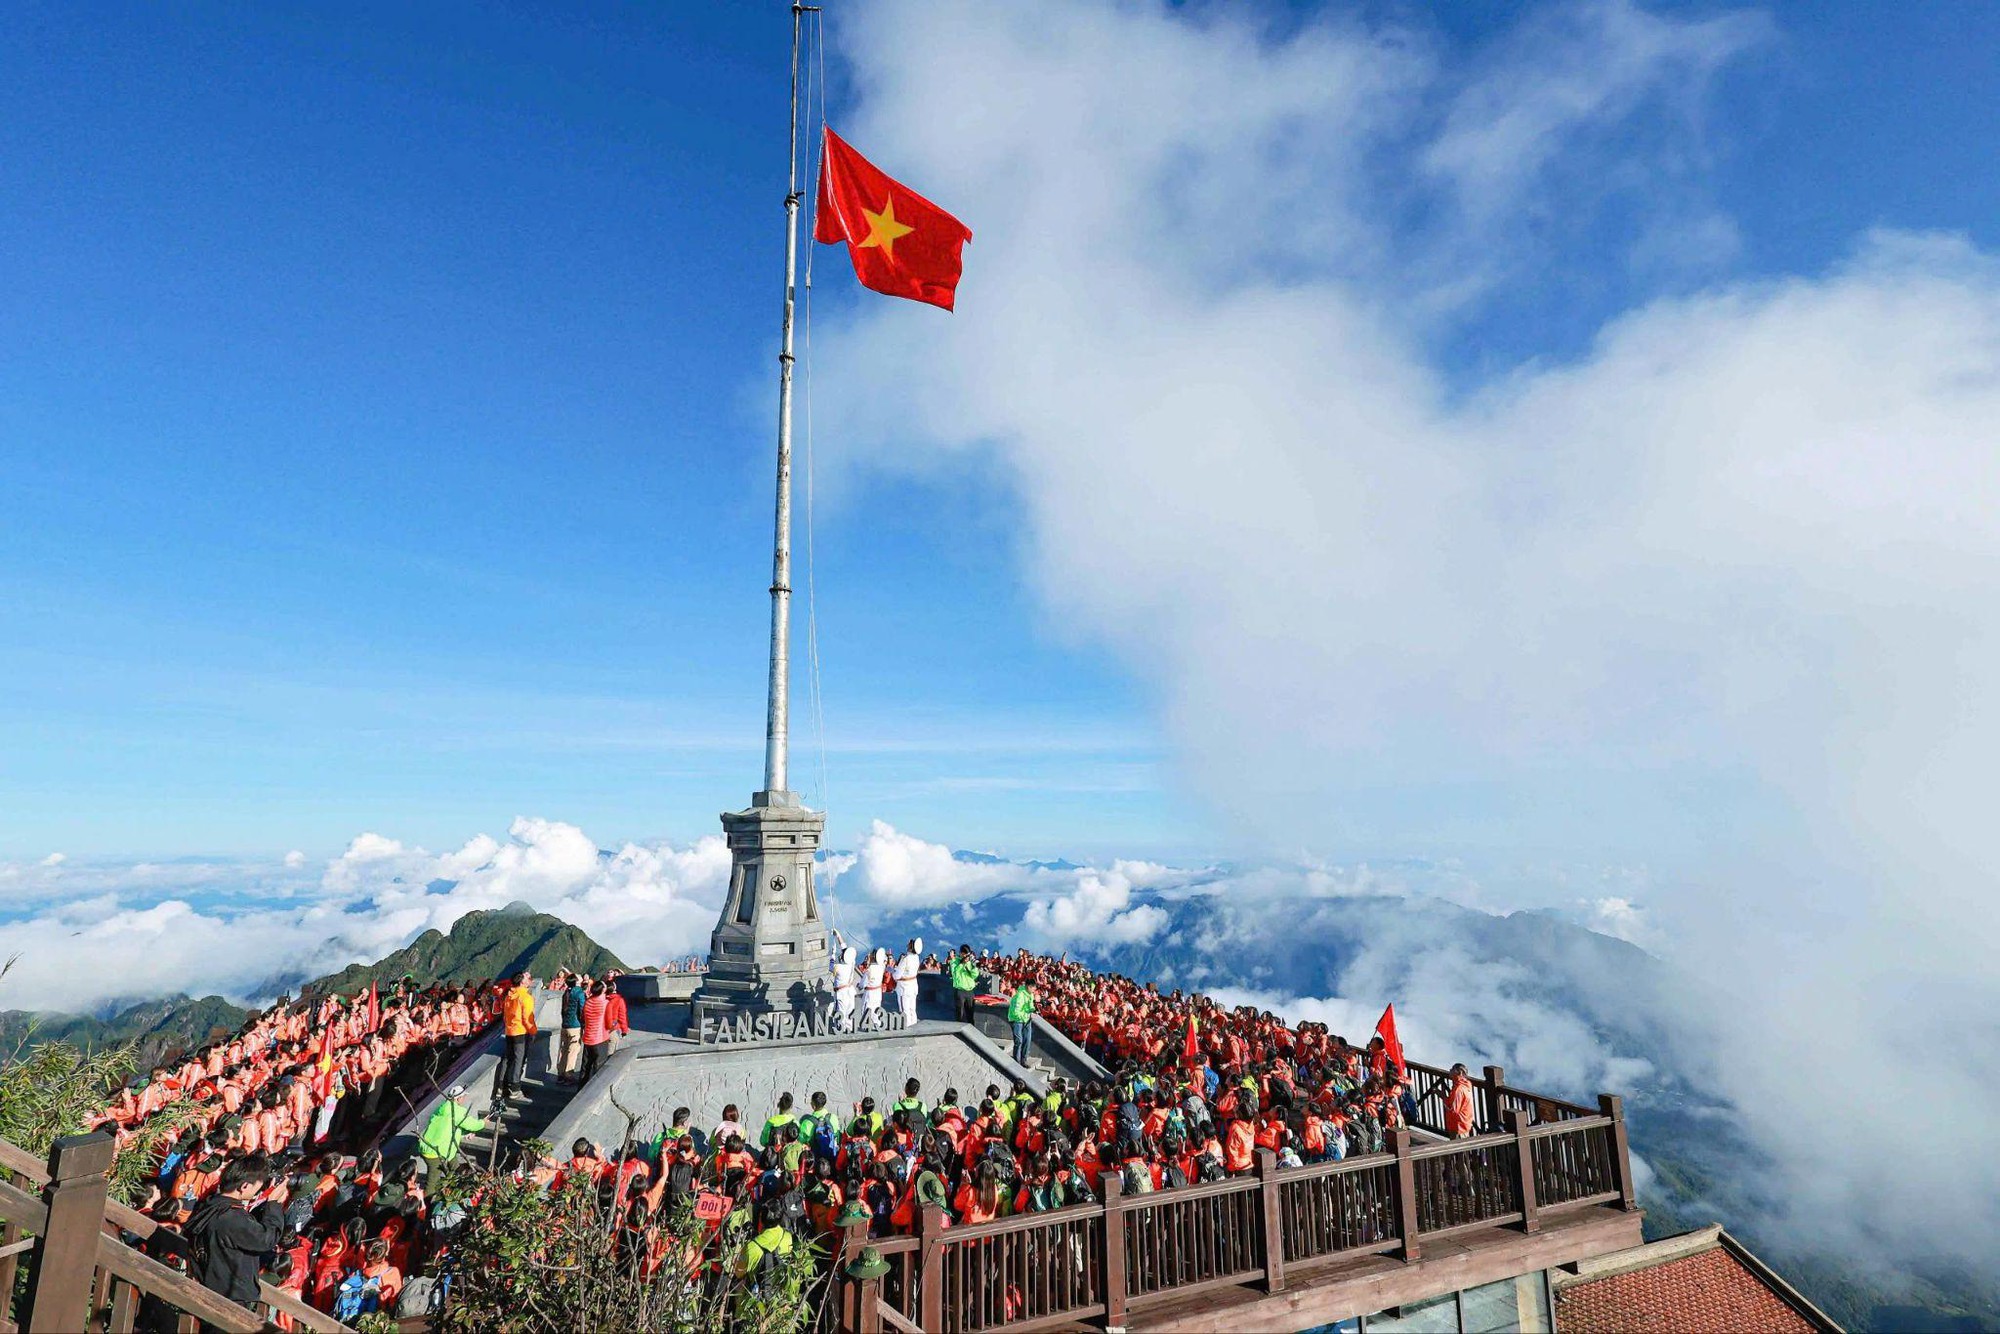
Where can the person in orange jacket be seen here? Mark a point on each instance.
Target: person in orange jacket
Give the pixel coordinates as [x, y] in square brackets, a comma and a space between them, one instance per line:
[517, 1019]
[1460, 1105]
[1239, 1147]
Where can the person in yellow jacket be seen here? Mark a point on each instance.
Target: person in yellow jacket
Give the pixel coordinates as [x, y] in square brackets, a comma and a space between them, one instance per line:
[517, 1021]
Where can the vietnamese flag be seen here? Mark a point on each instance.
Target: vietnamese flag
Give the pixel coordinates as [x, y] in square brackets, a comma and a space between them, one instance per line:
[322, 1083]
[1190, 1051]
[901, 243]
[1392, 1046]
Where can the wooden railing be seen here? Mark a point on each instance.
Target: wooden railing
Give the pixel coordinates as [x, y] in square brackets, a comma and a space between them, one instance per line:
[1100, 1263]
[81, 1274]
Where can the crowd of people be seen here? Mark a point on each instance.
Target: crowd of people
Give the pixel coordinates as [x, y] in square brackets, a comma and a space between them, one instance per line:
[257, 1177]
[583, 1016]
[1194, 1091]
[263, 1175]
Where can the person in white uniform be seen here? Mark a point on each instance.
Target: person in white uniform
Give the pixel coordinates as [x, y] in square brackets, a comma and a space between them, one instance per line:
[871, 988]
[907, 969]
[844, 980]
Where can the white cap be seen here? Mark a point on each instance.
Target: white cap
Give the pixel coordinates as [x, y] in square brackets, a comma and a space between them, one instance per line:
[455, 1091]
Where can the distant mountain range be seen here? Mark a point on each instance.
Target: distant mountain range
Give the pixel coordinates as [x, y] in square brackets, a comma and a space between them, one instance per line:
[480, 945]
[1581, 1012]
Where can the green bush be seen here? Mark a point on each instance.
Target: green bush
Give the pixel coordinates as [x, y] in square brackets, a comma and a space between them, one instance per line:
[528, 1260]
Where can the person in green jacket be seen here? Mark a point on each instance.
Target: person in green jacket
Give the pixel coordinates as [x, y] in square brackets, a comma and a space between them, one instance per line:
[772, 1240]
[1021, 1014]
[783, 1118]
[447, 1128]
[910, 1102]
[964, 981]
[810, 1122]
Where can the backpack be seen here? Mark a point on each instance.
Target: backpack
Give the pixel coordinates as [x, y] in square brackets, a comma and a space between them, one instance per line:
[825, 1139]
[419, 1297]
[794, 1219]
[356, 1296]
[1174, 1177]
[347, 1199]
[1206, 1168]
[299, 1213]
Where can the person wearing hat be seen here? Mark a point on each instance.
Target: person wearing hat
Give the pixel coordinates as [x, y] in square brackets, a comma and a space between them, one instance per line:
[447, 1129]
[845, 980]
[907, 969]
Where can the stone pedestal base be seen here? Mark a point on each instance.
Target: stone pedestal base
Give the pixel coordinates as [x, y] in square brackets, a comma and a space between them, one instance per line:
[769, 947]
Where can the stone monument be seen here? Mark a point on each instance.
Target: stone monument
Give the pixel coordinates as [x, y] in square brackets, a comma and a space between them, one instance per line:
[769, 946]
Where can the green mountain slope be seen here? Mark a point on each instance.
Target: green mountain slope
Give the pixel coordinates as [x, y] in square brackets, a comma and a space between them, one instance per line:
[482, 945]
[156, 1025]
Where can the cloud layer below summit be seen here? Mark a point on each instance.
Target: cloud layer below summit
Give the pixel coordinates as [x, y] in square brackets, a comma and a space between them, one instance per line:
[1723, 589]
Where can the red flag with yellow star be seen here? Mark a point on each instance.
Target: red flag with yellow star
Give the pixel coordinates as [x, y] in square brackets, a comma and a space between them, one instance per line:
[901, 243]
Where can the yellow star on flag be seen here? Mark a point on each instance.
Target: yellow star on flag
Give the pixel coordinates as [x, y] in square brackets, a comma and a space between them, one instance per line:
[883, 229]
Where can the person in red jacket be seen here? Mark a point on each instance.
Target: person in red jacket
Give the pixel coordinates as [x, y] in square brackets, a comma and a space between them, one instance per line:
[617, 1021]
[596, 1029]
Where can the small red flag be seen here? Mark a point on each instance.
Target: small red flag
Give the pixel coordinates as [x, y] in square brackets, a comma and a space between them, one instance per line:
[374, 1010]
[1392, 1046]
[1190, 1050]
[901, 243]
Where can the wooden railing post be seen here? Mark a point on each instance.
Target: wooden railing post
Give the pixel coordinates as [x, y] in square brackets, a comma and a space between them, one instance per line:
[868, 1299]
[852, 1238]
[930, 1287]
[1272, 1213]
[1114, 1253]
[59, 1286]
[1495, 1077]
[1406, 1192]
[1613, 1106]
[1524, 1159]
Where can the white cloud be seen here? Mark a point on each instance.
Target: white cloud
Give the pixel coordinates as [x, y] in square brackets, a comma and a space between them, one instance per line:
[143, 937]
[900, 871]
[1751, 535]
[1572, 71]
[294, 860]
[1098, 911]
[1619, 917]
[54, 859]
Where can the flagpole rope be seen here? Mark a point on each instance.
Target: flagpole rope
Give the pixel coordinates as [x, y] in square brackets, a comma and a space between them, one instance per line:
[815, 85]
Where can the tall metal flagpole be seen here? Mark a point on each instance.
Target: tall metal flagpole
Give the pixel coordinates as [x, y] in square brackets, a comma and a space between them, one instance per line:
[777, 723]
[769, 947]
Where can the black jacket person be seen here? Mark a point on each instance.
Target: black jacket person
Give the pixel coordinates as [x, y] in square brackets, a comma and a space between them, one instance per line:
[231, 1237]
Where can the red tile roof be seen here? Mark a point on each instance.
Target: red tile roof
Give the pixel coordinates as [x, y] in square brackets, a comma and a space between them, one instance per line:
[1709, 1290]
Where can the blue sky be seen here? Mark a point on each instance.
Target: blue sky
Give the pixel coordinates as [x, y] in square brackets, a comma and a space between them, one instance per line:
[386, 416]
